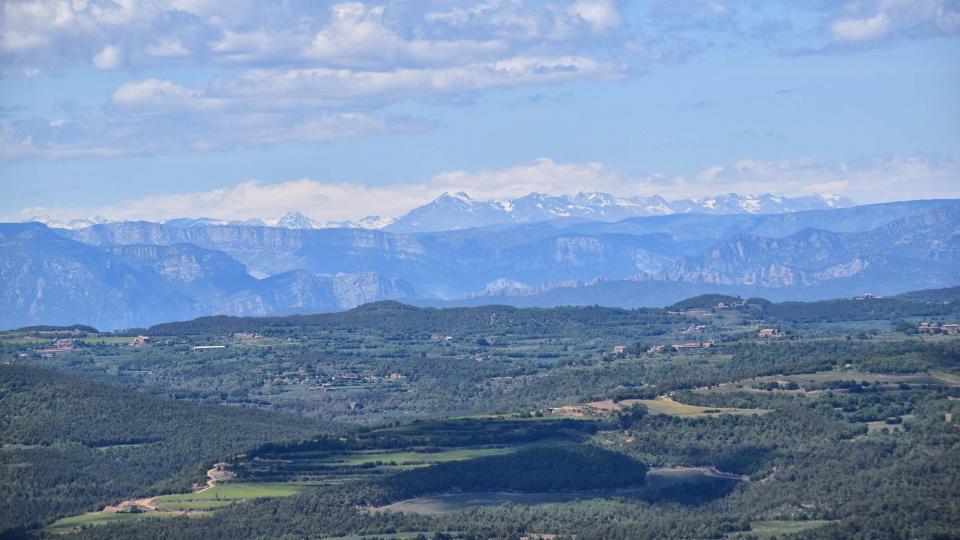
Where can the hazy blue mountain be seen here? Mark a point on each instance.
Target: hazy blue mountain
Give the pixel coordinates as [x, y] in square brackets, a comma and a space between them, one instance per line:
[147, 272]
[924, 248]
[704, 227]
[459, 263]
[451, 211]
[47, 278]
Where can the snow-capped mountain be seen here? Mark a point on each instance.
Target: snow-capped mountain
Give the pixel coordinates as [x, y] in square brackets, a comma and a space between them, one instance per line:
[731, 203]
[57, 223]
[295, 220]
[456, 211]
[369, 222]
[453, 211]
[185, 223]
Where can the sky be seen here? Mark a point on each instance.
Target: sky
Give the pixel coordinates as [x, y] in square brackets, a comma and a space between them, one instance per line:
[243, 109]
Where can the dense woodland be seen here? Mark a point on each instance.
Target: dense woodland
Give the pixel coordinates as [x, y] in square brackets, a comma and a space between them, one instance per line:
[854, 428]
[70, 444]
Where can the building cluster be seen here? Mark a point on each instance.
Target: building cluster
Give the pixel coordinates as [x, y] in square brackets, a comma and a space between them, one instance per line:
[695, 328]
[768, 333]
[332, 382]
[58, 346]
[693, 345]
[939, 328]
[141, 341]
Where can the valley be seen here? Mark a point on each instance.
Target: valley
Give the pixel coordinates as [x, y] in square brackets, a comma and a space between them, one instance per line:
[428, 415]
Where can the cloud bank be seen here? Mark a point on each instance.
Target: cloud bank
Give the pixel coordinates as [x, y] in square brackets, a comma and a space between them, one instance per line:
[865, 181]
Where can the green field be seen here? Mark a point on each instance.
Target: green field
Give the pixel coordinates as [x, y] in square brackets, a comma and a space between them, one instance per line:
[673, 408]
[218, 496]
[67, 524]
[204, 504]
[233, 491]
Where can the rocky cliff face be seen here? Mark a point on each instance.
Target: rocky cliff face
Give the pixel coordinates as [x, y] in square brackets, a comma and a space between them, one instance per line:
[49, 279]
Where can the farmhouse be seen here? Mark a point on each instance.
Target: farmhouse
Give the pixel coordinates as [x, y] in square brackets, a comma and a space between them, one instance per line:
[65, 344]
[768, 333]
[59, 346]
[208, 347]
[141, 341]
[938, 328]
[619, 349]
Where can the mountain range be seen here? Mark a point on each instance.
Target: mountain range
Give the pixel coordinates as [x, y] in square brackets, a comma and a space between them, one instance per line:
[454, 211]
[124, 274]
[458, 211]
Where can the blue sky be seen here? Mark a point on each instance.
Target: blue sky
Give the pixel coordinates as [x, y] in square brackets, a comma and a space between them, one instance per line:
[164, 108]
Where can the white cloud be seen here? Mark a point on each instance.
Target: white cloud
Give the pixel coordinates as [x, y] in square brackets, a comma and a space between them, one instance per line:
[271, 106]
[340, 87]
[315, 65]
[542, 176]
[865, 181]
[53, 34]
[860, 29]
[157, 117]
[109, 57]
[167, 48]
[153, 92]
[358, 36]
[602, 15]
[875, 180]
[864, 21]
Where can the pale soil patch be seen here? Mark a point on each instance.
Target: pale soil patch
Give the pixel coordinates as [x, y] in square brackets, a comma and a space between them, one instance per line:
[661, 405]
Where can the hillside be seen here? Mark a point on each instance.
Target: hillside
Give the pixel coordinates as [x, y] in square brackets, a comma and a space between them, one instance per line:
[83, 444]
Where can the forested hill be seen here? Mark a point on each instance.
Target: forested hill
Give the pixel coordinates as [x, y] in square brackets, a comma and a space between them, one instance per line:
[927, 303]
[80, 434]
[397, 317]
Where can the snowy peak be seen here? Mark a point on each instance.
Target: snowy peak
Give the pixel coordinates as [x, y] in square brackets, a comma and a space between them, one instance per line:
[295, 220]
[184, 223]
[459, 211]
[56, 223]
[456, 211]
[369, 222]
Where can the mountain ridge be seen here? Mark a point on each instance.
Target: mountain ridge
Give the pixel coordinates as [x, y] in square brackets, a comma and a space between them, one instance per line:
[149, 272]
[454, 211]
